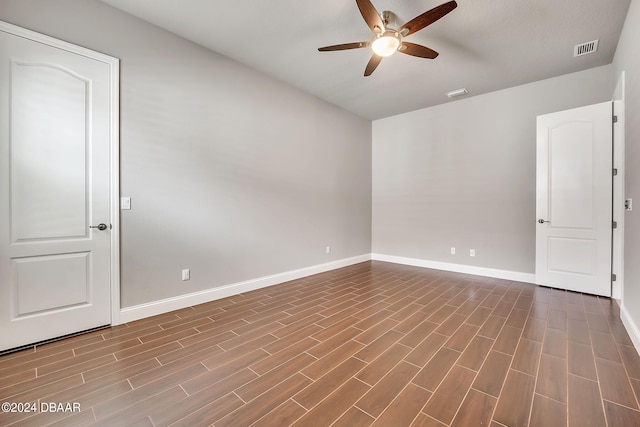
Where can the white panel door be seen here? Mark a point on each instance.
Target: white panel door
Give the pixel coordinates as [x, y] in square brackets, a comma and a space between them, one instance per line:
[574, 199]
[54, 185]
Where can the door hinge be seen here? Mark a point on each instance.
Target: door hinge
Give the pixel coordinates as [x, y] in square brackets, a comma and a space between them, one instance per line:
[615, 119]
[615, 171]
[613, 277]
[614, 224]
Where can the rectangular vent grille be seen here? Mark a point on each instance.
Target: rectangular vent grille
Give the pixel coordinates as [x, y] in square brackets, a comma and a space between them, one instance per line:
[585, 48]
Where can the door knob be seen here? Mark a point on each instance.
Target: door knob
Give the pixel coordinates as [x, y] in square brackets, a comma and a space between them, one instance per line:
[101, 226]
[542, 221]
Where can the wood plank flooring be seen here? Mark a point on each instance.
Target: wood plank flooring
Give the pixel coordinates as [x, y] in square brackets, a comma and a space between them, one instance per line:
[371, 344]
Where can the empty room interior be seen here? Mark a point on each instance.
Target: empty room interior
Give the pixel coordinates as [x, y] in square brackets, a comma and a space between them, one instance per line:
[336, 213]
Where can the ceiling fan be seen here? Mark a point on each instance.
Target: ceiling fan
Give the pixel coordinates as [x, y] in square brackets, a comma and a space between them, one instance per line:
[386, 40]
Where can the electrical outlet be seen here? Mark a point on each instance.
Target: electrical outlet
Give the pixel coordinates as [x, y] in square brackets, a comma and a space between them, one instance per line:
[628, 205]
[328, 249]
[472, 252]
[453, 251]
[186, 274]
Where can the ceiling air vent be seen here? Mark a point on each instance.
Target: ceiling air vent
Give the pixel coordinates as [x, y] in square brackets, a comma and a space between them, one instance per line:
[585, 48]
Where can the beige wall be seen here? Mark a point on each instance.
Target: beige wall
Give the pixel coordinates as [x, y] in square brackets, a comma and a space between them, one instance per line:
[231, 174]
[463, 174]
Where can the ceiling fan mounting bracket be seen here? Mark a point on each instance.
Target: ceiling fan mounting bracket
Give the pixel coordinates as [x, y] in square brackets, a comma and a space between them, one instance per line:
[388, 18]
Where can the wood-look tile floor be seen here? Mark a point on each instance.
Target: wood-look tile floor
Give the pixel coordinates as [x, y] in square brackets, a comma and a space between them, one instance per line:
[371, 344]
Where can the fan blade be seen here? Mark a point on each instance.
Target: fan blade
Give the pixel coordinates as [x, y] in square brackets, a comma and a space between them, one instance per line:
[370, 15]
[372, 65]
[427, 18]
[344, 46]
[417, 50]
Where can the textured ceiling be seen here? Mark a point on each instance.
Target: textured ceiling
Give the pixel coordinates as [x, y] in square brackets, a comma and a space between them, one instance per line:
[484, 45]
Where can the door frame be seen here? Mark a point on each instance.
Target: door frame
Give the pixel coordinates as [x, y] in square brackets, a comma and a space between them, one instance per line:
[618, 189]
[114, 149]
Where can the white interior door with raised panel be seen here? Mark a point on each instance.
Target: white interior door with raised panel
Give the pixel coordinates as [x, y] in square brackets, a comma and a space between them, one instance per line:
[574, 199]
[55, 154]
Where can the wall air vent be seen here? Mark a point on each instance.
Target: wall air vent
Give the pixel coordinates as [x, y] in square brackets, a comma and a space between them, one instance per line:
[585, 48]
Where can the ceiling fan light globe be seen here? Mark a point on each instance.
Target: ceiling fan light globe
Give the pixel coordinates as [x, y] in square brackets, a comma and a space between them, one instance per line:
[386, 44]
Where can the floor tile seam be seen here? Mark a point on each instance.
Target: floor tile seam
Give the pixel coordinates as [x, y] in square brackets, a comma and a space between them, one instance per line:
[537, 373]
[244, 402]
[291, 345]
[466, 345]
[38, 375]
[429, 416]
[256, 312]
[334, 391]
[327, 397]
[447, 373]
[8, 362]
[316, 307]
[177, 324]
[229, 360]
[626, 371]
[418, 345]
[412, 329]
[600, 387]
[16, 370]
[619, 344]
[483, 392]
[388, 370]
[183, 357]
[464, 398]
[164, 337]
[220, 326]
[551, 398]
[355, 405]
[595, 366]
[255, 423]
[259, 318]
[193, 412]
[520, 338]
[115, 372]
[245, 342]
[369, 328]
[73, 350]
[289, 325]
[157, 378]
[333, 323]
[124, 359]
[622, 405]
[126, 407]
[105, 346]
[504, 382]
[365, 344]
[51, 348]
[392, 400]
[97, 390]
[280, 365]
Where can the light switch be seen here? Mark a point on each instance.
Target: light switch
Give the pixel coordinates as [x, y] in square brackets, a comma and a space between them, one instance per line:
[125, 203]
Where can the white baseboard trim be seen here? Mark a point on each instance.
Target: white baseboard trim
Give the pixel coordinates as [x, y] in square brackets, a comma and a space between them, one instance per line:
[630, 325]
[129, 314]
[458, 268]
